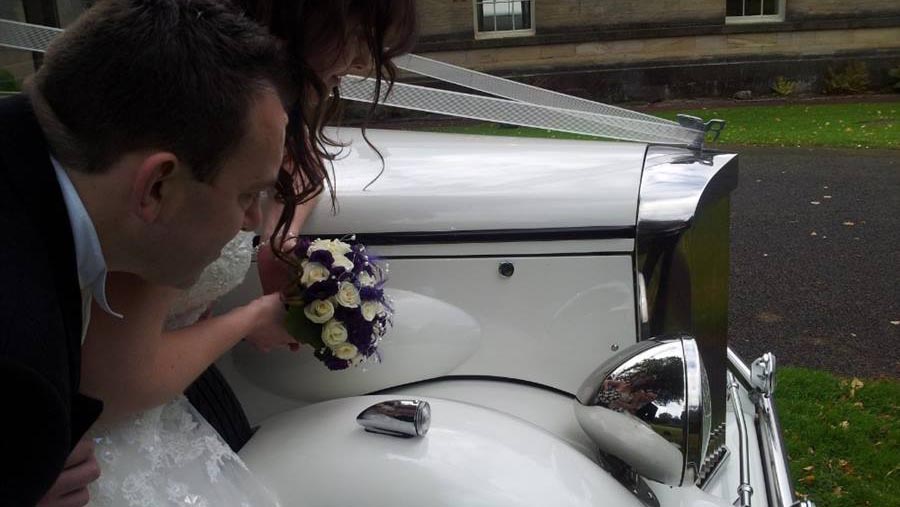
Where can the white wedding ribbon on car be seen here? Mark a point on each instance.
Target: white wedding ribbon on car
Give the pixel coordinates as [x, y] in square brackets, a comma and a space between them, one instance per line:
[512, 103]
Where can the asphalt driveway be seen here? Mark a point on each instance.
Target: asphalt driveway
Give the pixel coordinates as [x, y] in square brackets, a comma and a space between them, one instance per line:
[815, 257]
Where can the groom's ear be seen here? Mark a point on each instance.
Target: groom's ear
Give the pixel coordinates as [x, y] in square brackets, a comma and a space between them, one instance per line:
[155, 185]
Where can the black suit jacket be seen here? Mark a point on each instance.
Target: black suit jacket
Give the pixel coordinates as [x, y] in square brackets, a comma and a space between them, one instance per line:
[43, 415]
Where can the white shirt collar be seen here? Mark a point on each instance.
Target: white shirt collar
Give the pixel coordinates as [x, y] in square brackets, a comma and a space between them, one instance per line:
[88, 254]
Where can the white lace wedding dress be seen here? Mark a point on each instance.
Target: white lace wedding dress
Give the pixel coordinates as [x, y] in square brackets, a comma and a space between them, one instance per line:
[170, 456]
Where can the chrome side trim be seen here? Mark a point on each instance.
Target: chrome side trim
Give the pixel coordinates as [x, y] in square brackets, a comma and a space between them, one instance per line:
[682, 257]
[744, 490]
[779, 486]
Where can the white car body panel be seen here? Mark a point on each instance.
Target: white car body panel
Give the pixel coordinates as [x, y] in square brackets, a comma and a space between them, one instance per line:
[498, 357]
[471, 456]
[454, 182]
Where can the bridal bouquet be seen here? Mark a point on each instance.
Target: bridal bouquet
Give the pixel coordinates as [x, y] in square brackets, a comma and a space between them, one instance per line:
[336, 302]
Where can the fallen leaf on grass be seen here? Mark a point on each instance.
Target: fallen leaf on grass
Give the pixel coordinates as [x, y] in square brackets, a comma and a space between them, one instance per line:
[809, 468]
[809, 479]
[846, 467]
[845, 425]
[854, 385]
[837, 491]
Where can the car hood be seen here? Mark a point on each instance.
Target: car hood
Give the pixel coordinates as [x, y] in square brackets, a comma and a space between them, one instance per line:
[319, 455]
[437, 182]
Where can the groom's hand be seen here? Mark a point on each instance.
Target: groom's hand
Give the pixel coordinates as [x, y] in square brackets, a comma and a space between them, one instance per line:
[70, 488]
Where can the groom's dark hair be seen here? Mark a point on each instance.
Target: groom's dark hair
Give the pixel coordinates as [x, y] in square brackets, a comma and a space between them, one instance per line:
[175, 75]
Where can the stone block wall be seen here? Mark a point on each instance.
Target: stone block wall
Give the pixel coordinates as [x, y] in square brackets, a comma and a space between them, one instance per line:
[554, 15]
[818, 9]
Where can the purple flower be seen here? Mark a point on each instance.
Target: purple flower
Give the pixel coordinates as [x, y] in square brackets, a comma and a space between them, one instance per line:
[361, 335]
[349, 316]
[333, 363]
[371, 293]
[323, 257]
[321, 290]
[302, 247]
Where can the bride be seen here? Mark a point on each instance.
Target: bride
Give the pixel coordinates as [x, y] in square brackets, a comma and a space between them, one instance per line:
[153, 448]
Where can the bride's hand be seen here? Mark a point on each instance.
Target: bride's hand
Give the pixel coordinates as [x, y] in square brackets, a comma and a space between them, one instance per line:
[274, 274]
[268, 330]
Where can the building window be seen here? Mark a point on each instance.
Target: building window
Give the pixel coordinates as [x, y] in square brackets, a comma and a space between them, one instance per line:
[754, 11]
[502, 18]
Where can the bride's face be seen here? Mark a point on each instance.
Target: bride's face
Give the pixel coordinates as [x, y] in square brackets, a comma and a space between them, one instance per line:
[335, 59]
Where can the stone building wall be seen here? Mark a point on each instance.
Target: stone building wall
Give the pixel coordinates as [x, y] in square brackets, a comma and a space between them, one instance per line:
[816, 9]
[557, 15]
[655, 49]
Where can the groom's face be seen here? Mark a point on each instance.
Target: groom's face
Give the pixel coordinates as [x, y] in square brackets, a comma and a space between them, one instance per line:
[213, 213]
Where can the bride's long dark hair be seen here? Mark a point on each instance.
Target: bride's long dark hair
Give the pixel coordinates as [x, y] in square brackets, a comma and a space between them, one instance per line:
[305, 26]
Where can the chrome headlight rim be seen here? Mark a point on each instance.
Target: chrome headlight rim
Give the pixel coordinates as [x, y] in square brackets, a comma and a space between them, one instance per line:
[668, 371]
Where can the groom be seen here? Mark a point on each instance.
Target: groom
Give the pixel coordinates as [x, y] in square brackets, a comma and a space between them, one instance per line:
[140, 146]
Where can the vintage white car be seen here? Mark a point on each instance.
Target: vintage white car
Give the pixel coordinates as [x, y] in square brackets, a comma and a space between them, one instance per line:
[560, 328]
[559, 337]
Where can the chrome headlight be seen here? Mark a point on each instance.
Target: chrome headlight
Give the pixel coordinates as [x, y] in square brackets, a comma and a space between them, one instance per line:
[649, 405]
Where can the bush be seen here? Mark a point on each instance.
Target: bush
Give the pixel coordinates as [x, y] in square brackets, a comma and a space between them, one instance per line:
[853, 78]
[8, 81]
[783, 86]
[895, 77]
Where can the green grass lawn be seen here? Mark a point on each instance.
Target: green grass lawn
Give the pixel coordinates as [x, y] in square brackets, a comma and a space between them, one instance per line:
[843, 437]
[875, 125]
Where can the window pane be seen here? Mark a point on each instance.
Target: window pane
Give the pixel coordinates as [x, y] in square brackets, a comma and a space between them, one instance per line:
[526, 16]
[486, 17]
[734, 8]
[770, 7]
[753, 7]
[504, 16]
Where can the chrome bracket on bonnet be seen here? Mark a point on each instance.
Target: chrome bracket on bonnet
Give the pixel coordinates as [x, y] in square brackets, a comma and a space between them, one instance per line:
[397, 418]
[714, 127]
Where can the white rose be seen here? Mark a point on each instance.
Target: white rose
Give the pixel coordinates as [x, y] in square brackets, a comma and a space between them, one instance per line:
[319, 311]
[334, 333]
[339, 248]
[319, 244]
[314, 272]
[370, 309]
[345, 350]
[344, 262]
[366, 280]
[347, 295]
[332, 245]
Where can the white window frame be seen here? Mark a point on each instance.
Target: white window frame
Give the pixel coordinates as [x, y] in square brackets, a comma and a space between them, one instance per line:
[758, 18]
[497, 34]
